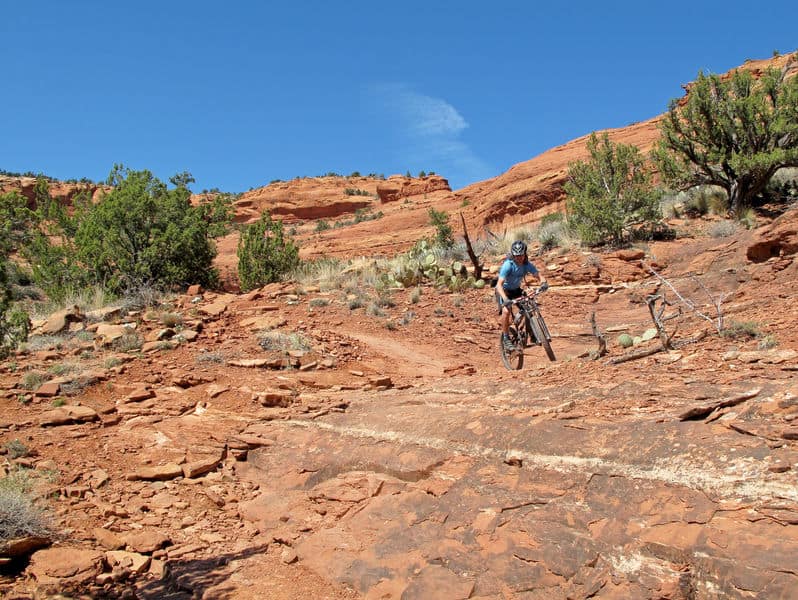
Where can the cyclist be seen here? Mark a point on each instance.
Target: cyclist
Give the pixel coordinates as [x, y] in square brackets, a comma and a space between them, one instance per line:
[508, 286]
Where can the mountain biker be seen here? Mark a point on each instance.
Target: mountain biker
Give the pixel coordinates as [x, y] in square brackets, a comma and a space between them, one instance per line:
[508, 286]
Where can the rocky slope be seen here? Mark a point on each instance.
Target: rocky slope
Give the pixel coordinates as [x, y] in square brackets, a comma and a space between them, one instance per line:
[391, 455]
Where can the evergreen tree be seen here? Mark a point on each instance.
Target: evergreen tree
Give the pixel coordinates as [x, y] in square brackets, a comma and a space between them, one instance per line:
[611, 196]
[265, 253]
[733, 132]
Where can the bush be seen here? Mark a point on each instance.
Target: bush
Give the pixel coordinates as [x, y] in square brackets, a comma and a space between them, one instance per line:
[14, 323]
[16, 449]
[741, 330]
[722, 229]
[550, 235]
[139, 232]
[19, 516]
[443, 231]
[611, 197]
[283, 342]
[264, 253]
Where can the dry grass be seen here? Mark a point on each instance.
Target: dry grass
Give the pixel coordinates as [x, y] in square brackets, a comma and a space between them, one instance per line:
[283, 342]
[19, 516]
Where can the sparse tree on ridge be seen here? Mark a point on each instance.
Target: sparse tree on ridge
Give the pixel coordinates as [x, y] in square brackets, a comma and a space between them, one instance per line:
[733, 132]
[611, 196]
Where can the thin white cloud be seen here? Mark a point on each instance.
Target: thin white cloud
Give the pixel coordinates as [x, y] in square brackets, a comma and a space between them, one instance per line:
[431, 130]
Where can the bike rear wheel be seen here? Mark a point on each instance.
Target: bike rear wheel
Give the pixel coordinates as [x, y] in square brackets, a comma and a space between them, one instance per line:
[513, 358]
[541, 334]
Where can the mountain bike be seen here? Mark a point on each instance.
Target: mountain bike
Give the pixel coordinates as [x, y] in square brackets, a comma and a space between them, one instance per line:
[527, 328]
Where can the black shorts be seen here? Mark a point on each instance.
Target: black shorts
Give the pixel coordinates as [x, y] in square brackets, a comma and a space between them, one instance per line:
[511, 294]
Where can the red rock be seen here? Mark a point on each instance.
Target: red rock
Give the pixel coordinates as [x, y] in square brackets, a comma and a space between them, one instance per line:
[48, 390]
[146, 541]
[65, 565]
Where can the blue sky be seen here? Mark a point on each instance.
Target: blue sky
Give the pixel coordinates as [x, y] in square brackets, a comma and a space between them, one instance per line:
[242, 93]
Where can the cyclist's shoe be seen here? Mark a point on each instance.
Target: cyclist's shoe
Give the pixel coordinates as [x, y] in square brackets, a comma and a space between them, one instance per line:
[507, 342]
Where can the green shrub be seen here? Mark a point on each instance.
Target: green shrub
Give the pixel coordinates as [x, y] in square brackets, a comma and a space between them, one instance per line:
[32, 380]
[443, 231]
[264, 253]
[140, 231]
[611, 197]
[734, 131]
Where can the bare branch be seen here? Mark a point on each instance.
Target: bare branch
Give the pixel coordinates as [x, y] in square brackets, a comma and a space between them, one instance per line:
[636, 355]
[665, 339]
[602, 339]
[718, 324]
[471, 254]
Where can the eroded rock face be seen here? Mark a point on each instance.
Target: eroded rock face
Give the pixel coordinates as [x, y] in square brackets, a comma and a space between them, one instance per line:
[59, 190]
[778, 240]
[397, 187]
[307, 198]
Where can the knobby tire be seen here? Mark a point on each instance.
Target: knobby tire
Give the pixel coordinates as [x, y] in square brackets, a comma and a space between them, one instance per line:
[540, 331]
[513, 359]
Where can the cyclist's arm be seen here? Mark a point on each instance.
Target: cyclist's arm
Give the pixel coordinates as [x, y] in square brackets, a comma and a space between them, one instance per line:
[500, 288]
[539, 276]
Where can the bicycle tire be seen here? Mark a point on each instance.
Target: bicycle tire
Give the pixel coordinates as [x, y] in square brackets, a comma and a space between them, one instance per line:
[539, 329]
[513, 359]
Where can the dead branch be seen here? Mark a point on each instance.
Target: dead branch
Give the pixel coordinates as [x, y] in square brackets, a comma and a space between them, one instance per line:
[715, 301]
[718, 322]
[656, 316]
[471, 254]
[602, 339]
[636, 355]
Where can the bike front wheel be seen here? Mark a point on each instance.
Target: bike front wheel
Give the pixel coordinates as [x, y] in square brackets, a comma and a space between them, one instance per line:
[513, 355]
[540, 330]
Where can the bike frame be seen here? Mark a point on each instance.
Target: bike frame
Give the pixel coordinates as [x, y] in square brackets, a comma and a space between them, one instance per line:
[525, 322]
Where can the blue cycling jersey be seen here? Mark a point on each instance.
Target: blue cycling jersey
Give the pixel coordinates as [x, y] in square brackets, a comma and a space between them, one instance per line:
[514, 273]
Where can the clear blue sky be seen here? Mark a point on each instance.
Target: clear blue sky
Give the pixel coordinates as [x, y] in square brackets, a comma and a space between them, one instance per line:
[241, 93]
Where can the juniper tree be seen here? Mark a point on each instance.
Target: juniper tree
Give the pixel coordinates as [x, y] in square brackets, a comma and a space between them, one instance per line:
[265, 253]
[734, 132]
[611, 195]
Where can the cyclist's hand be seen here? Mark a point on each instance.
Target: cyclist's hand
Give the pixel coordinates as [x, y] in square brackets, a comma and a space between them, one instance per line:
[544, 286]
[507, 302]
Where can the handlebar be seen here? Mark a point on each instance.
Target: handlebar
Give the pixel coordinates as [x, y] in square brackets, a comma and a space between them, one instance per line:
[525, 294]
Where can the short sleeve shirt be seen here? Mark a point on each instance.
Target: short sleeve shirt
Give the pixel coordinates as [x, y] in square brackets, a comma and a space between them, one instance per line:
[514, 274]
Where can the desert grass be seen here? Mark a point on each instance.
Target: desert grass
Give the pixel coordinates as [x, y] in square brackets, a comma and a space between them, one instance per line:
[283, 342]
[19, 515]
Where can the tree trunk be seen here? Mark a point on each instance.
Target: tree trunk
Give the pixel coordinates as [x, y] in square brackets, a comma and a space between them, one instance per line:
[741, 191]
